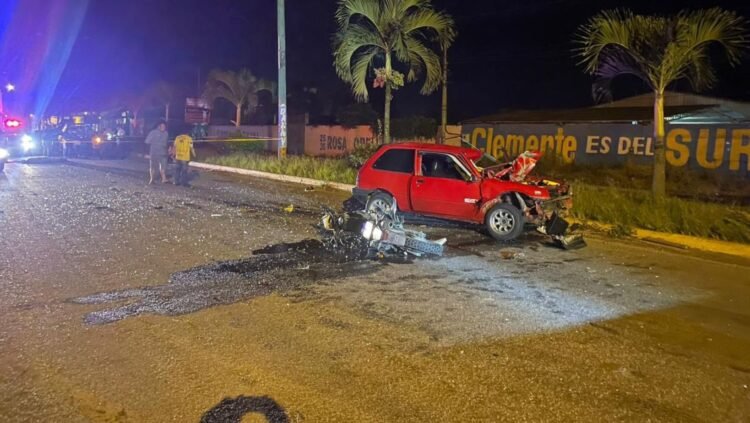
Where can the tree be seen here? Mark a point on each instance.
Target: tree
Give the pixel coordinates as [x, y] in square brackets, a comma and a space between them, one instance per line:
[388, 34]
[240, 88]
[659, 50]
[164, 94]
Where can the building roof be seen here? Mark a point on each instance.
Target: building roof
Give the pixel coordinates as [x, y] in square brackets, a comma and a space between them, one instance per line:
[591, 114]
[679, 108]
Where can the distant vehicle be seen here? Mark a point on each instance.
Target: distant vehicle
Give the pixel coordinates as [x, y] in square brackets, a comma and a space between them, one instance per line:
[445, 182]
[84, 135]
[15, 141]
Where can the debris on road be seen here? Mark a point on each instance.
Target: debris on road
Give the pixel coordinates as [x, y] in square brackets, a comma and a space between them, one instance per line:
[508, 254]
[289, 208]
[562, 233]
[276, 268]
[382, 230]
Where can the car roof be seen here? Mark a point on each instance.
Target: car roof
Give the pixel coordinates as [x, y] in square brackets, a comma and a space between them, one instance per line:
[442, 148]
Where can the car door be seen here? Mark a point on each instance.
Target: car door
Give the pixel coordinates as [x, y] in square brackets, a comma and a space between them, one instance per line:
[392, 172]
[444, 187]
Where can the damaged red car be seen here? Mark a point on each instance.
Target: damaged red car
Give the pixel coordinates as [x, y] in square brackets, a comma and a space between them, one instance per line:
[446, 182]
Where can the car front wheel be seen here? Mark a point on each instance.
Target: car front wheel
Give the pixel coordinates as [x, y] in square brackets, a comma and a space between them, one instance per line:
[504, 222]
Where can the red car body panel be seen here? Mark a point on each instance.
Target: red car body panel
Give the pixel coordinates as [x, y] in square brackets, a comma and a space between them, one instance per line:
[442, 197]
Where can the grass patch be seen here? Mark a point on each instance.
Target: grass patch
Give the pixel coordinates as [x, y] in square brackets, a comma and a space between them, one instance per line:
[329, 170]
[637, 209]
[703, 185]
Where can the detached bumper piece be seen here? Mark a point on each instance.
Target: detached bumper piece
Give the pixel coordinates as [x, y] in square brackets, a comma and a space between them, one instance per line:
[559, 230]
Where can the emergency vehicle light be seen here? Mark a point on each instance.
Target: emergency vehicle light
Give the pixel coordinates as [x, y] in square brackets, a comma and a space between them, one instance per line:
[12, 123]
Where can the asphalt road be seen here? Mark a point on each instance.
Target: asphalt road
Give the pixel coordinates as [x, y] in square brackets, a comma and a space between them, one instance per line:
[121, 302]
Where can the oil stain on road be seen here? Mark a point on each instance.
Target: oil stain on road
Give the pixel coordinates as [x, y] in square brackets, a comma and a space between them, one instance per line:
[278, 268]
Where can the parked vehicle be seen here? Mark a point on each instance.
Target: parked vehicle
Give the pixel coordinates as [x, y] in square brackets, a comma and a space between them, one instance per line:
[445, 182]
[15, 141]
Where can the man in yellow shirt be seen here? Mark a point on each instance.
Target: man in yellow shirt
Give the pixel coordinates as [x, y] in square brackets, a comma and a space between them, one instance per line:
[183, 151]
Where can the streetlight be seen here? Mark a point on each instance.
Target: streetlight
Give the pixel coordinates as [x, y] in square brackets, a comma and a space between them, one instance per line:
[9, 88]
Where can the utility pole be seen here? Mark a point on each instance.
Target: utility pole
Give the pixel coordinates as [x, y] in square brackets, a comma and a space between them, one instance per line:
[444, 105]
[281, 24]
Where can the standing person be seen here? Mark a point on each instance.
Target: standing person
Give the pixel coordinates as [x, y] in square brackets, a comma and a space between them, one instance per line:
[183, 151]
[157, 141]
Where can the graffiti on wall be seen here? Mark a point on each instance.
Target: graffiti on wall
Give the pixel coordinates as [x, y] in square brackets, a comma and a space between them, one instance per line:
[336, 140]
[713, 147]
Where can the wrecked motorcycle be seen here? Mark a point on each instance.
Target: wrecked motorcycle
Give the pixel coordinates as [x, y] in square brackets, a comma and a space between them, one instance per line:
[381, 229]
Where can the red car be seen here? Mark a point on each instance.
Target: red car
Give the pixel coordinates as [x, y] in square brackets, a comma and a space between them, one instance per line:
[445, 182]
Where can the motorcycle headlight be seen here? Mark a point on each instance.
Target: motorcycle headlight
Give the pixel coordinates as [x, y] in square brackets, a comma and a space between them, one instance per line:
[4, 154]
[367, 230]
[377, 234]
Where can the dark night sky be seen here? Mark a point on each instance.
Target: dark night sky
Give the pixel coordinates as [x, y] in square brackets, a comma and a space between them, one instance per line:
[509, 54]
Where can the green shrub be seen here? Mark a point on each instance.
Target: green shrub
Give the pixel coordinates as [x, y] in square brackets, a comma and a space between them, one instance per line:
[360, 155]
[637, 209]
[329, 170]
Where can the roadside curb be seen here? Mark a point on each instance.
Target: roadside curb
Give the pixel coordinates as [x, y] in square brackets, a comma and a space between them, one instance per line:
[685, 242]
[662, 238]
[274, 176]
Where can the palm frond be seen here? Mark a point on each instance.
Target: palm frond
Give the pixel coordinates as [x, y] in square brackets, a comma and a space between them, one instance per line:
[660, 50]
[360, 71]
[429, 20]
[349, 10]
[424, 59]
[726, 28]
[695, 32]
[346, 45]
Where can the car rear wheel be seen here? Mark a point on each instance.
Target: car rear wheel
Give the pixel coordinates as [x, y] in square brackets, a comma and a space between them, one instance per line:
[504, 222]
[379, 201]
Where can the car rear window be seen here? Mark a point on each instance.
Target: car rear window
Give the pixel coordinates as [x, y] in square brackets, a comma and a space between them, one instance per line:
[396, 160]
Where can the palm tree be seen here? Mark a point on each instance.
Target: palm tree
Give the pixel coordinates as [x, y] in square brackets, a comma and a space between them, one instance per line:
[388, 33]
[240, 88]
[659, 50]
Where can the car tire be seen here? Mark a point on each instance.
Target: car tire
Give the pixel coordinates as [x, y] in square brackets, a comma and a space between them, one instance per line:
[504, 222]
[379, 199]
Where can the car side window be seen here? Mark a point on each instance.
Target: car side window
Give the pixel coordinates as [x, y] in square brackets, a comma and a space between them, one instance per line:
[441, 166]
[396, 160]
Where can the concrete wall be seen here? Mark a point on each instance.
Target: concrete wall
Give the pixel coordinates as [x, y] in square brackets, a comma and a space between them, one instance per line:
[326, 141]
[720, 148]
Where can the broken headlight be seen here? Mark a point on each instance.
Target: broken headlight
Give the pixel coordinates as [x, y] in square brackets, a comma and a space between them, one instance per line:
[371, 232]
